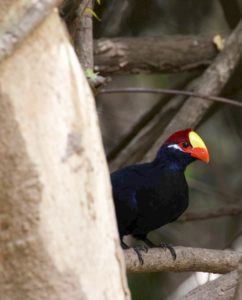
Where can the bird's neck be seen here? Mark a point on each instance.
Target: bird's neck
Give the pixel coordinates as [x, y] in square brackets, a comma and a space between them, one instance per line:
[166, 160]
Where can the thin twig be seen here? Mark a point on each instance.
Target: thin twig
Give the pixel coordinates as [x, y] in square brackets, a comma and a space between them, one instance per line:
[83, 35]
[84, 8]
[229, 210]
[171, 92]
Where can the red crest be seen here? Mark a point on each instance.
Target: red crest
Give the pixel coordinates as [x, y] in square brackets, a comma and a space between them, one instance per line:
[178, 137]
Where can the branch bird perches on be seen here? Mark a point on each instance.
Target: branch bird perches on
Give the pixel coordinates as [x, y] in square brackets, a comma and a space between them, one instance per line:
[188, 259]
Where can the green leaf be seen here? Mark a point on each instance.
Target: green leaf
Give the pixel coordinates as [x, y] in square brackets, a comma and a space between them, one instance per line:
[92, 12]
[99, 2]
[90, 74]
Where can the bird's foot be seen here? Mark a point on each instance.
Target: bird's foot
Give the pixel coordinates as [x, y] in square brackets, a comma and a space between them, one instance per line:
[170, 248]
[163, 246]
[137, 250]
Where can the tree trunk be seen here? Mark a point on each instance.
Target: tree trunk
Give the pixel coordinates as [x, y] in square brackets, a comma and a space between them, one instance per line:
[58, 236]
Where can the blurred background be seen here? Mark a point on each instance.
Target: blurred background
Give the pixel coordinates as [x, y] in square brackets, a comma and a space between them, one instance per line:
[213, 187]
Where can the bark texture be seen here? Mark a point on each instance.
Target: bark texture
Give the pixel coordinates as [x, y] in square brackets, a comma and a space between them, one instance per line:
[153, 54]
[188, 259]
[83, 38]
[23, 16]
[222, 288]
[58, 238]
[78, 18]
[238, 291]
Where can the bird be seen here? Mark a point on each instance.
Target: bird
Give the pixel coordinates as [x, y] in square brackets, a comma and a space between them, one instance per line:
[150, 195]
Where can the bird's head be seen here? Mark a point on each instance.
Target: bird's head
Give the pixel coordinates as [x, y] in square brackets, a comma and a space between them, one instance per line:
[183, 147]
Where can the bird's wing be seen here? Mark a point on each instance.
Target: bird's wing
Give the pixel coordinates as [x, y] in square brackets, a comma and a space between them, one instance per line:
[126, 209]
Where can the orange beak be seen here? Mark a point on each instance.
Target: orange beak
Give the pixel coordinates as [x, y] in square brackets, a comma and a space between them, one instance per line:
[199, 149]
[200, 153]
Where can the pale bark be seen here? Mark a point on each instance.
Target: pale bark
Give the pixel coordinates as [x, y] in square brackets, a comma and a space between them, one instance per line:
[188, 260]
[83, 37]
[58, 237]
[18, 18]
[238, 291]
[222, 288]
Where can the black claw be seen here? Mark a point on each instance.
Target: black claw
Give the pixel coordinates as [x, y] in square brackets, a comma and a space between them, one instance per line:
[141, 261]
[162, 245]
[143, 248]
[170, 248]
[124, 246]
[137, 250]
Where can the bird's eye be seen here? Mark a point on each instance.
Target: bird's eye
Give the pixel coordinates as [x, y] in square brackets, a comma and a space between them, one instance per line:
[185, 145]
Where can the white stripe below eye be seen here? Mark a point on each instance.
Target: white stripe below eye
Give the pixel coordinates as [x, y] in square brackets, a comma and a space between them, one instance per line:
[174, 146]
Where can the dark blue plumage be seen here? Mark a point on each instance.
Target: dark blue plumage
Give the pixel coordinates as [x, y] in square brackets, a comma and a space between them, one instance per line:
[148, 196]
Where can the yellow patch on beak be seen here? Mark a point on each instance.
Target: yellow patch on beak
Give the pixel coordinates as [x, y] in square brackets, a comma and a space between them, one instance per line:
[196, 140]
[199, 149]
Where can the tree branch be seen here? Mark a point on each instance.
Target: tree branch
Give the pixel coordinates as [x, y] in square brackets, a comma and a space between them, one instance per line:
[222, 288]
[188, 259]
[45, 94]
[83, 38]
[79, 23]
[24, 18]
[78, 18]
[228, 210]
[238, 291]
[153, 54]
[211, 82]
